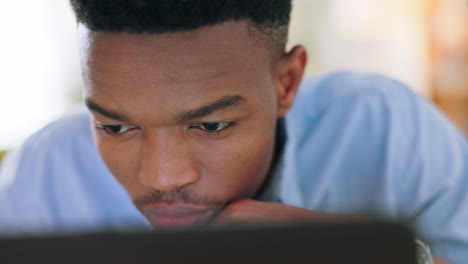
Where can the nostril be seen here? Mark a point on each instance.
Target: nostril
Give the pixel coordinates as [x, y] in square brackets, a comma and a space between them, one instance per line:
[166, 178]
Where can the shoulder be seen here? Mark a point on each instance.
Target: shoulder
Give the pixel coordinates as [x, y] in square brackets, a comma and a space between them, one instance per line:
[363, 143]
[361, 107]
[66, 130]
[56, 181]
[51, 172]
[50, 145]
[319, 93]
[342, 132]
[374, 125]
[39, 157]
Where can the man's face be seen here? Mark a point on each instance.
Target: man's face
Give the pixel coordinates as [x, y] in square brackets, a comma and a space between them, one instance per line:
[185, 121]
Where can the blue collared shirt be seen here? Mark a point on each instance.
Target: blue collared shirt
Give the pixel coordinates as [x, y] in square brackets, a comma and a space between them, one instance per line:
[357, 143]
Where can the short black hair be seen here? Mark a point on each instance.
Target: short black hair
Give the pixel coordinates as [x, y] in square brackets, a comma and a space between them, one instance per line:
[270, 18]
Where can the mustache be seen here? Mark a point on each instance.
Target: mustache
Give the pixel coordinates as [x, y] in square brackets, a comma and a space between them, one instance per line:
[179, 195]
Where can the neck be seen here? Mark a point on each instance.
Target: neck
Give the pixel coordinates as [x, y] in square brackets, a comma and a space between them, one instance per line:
[280, 142]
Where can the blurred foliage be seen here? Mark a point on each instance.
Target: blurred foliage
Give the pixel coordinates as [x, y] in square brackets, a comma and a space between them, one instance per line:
[2, 154]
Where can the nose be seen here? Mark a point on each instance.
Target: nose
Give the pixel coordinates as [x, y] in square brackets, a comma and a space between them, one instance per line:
[166, 161]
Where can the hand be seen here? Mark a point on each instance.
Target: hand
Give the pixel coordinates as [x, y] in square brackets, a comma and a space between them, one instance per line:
[251, 212]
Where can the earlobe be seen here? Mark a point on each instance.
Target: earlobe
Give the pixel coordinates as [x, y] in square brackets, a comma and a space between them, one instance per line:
[289, 71]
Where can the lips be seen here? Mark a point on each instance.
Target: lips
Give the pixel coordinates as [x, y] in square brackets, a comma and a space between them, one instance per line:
[178, 216]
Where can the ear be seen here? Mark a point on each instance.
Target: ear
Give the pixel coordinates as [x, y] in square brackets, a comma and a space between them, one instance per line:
[288, 73]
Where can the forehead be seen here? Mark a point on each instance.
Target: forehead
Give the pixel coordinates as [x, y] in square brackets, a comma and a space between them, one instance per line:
[180, 56]
[185, 68]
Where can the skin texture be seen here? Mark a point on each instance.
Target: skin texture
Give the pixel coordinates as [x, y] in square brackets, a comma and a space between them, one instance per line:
[148, 88]
[151, 81]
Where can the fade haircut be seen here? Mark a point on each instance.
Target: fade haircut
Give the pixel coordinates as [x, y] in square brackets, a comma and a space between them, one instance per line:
[268, 20]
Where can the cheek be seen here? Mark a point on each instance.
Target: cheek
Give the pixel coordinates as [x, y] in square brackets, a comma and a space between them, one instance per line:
[121, 158]
[236, 168]
[253, 163]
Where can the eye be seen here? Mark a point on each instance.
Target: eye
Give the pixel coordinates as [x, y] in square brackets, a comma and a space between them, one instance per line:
[115, 130]
[214, 128]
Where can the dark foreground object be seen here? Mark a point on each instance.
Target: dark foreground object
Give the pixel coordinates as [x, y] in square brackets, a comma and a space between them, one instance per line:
[317, 243]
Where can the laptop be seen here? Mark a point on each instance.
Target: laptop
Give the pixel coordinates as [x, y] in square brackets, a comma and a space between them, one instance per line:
[363, 243]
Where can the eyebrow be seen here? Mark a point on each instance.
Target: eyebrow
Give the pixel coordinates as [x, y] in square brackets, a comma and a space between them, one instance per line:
[99, 109]
[222, 103]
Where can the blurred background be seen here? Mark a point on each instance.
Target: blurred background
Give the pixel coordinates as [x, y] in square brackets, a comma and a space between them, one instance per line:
[423, 43]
